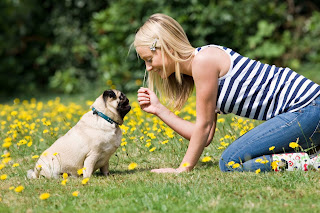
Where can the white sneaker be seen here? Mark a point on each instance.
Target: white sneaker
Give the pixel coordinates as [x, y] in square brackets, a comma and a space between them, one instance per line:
[291, 162]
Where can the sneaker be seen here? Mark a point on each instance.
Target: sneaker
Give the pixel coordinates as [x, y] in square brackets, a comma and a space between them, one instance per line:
[291, 162]
[315, 162]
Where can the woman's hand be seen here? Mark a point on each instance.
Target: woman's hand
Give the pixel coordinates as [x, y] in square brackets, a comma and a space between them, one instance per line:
[148, 101]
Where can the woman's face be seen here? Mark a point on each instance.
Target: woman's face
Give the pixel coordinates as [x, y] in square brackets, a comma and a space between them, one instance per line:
[154, 62]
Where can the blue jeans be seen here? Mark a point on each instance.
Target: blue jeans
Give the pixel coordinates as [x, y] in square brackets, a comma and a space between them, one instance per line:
[278, 131]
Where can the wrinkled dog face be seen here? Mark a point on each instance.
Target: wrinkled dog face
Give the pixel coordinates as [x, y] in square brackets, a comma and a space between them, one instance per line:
[118, 101]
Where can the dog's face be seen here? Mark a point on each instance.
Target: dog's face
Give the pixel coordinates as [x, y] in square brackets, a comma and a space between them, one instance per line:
[118, 101]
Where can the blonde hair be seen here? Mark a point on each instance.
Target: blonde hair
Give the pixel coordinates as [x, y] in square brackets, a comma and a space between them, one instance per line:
[173, 42]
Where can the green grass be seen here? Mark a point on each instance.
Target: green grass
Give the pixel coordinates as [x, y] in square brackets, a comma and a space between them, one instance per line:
[205, 189]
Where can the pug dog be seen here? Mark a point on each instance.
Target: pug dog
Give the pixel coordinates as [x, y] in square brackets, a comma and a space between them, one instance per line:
[89, 145]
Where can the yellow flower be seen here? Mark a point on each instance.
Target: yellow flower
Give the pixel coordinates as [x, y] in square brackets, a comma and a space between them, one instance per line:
[44, 196]
[15, 165]
[206, 159]
[236, 165]
[164, 142]
[6, 144]
[55, 154]
[65, 175]
[6, 155]
[19, 189]
[80, 171]
[6, 160]
[271, 148]
[45, 154]
[123, 143]
[152, 149]
[2, 166]
[258, 160]
[11, 187]
[186, 164]
[230, 163]
[274, 164]
[75, 193]
[39, 166]
[264, 162]
[221, 120]
[64, 182]
[85, 181]
[3, 177]
[258, 171]
[293, 145]
[35, 156]
[132, 166]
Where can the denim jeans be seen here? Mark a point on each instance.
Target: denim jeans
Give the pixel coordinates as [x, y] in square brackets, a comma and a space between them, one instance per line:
[278, 131]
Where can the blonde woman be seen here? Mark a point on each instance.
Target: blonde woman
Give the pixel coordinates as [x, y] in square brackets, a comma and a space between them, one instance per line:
[225, 82]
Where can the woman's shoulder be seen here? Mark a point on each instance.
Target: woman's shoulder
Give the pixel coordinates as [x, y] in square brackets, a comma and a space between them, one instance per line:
[212, 56]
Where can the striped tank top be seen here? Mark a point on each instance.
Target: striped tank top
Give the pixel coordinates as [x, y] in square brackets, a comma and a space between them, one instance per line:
[260, 91]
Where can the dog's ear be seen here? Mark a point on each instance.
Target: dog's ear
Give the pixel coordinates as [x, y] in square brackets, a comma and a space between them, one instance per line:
[109, 94]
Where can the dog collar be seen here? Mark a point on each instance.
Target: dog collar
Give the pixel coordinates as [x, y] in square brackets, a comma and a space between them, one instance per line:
[103, 116]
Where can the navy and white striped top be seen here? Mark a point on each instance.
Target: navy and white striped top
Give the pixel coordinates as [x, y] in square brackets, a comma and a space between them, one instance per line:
[260, 91]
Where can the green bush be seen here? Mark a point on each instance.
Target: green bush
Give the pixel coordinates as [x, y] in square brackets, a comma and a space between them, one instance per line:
[68, 45]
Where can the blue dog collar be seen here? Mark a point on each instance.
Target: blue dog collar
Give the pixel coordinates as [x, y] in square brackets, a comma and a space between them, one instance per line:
[103, 116]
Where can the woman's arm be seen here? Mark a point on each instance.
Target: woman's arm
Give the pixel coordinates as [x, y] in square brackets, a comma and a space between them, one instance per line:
[205, 71]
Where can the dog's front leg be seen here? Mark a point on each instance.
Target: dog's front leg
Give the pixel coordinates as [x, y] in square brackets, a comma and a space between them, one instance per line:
[89, 164]
[105, 169]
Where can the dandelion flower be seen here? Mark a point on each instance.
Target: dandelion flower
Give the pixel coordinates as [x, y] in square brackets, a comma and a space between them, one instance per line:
[3, 177]
[258, 171]
[85, 181]
[2, 166]
[164, 142]
[271, 148]
[258, 160]
[235, 165]
[11, 187]
[274, 164]
[44, 196]
[230, 163]
[35, 156]
[6, 144]
[6, 155]
[19, 189]
[64, 182]
[206, 159]
[152, 149]
[80, 171]
[55, 154]
[65, 175]
[75, 193]
[293, 145]
[15, 165]
[132, 166]
[186, 164]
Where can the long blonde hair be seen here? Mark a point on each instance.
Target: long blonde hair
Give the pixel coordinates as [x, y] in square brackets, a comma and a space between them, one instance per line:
[173, 42]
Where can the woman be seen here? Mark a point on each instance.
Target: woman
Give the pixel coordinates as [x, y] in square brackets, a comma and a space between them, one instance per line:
[225, 82]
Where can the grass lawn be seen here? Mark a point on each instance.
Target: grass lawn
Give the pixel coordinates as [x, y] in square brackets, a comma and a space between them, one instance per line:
[29, 127]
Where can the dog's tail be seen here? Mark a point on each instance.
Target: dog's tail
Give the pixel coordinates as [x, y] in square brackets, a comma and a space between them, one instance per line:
[33, 174]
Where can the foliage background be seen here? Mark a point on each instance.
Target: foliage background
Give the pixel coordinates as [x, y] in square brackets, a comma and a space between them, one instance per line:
[70, 46]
